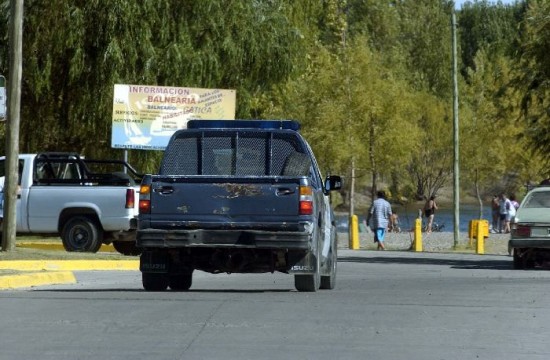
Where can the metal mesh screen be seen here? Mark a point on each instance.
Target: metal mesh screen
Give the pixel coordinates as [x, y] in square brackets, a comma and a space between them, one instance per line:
[181, 157]
[242, 153]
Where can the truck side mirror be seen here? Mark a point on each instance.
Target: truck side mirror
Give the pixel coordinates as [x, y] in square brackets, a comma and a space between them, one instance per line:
[333, 182]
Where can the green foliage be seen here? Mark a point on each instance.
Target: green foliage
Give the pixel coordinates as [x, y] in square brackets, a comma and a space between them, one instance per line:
[425, 34]
[76, 51]
[368, 79]
[489, 27]
[532, 75]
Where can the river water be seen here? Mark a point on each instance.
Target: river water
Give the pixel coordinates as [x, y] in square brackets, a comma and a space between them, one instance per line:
[444, 215]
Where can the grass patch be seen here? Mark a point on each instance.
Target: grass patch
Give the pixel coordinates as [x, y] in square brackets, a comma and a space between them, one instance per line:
[40, 254]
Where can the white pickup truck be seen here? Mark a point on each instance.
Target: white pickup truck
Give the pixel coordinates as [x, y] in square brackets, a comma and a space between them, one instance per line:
[60, 195]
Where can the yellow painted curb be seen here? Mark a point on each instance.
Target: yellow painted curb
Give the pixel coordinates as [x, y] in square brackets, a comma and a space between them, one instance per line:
[69, 265]
[36, 279]
[57, 246]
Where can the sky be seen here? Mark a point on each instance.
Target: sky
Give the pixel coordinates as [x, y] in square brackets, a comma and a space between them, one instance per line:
[458, 3]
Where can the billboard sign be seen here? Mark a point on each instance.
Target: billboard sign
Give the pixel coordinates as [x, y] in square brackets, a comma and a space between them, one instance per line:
[144, 117]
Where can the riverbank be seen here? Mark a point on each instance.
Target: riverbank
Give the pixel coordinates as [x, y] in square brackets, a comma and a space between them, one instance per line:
[495, 244]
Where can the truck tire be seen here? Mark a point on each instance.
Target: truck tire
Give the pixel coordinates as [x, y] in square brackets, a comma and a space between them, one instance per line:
[181, 282]
[154, 281]
[529, 261]
[127, 248]
[307, 283]
[82, 234]
[518, 261]
[297, 164]
[329, 281]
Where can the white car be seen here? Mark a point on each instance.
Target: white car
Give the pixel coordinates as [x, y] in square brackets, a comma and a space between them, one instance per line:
[530, 238]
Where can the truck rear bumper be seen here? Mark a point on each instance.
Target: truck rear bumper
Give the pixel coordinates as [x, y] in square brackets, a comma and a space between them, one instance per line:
[540, 243]
[157, 238]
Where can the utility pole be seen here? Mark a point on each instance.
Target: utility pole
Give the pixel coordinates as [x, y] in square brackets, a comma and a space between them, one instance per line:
[12, 124]
[350, 133]
[456, 171]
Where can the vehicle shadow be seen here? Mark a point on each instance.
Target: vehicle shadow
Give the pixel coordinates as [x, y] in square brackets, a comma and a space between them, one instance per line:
[168, 291]
[486, 264]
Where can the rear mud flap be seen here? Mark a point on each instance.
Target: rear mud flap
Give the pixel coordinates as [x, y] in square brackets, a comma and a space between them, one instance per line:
[302, 263]
[154, 262]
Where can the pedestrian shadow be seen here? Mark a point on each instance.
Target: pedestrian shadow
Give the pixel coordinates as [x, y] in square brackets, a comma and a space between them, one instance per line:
[485, 264]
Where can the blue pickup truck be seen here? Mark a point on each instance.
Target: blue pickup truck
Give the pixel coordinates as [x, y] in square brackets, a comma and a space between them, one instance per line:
[237, 196]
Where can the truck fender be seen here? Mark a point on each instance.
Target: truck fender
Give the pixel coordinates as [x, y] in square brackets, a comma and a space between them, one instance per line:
[90, 210]
[327, 231]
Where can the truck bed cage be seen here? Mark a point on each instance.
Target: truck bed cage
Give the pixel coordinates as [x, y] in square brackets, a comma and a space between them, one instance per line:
[230, 152]
[71, 169]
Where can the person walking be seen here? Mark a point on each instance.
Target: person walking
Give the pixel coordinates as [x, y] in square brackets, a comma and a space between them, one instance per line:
[505, 213]
[380, 213]
[514, 203]
[429, 212]
[495, 212]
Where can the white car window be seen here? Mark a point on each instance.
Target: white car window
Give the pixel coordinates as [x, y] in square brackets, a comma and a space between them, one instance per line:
[540, 199]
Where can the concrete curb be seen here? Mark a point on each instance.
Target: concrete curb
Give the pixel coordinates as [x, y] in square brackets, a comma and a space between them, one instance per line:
[36, 279]
[56, 271]
[69, 265]
[48, 245]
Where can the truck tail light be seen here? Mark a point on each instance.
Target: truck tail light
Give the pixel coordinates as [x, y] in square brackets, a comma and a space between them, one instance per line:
[306, 200]
[522, 231]
[145, 199]
[130, 198]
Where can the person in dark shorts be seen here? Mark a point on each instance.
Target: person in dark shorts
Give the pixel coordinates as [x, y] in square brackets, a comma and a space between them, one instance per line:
[429, 212]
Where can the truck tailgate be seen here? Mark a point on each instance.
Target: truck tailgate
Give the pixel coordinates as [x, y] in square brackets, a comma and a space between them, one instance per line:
[219, 199]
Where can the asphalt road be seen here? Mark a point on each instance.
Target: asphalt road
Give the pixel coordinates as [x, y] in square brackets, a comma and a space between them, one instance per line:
[386, 305]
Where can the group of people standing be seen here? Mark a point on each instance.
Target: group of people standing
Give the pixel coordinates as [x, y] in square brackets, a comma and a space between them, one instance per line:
[383, 219]
[503, 212]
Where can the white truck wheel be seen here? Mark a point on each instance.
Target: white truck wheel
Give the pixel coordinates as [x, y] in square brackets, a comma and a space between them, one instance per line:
[81, 234]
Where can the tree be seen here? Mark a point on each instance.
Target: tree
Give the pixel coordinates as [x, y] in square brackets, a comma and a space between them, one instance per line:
[430, 167]
[357, 108]
[488, 138]
[532, 75]
[488, 27]
[76, 51]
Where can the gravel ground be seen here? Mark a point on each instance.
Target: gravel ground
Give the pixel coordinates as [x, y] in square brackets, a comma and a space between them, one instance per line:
[495, 244]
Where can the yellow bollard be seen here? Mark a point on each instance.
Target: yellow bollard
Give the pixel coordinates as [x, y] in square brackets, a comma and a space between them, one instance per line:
[480, 249]
[472, 229]
[354, 233]
[418, 235]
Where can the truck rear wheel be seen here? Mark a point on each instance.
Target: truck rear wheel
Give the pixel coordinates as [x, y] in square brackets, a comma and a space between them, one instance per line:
[82, 234]
[307, 283]
[181, 282]
[128, 248]
[154, 281]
